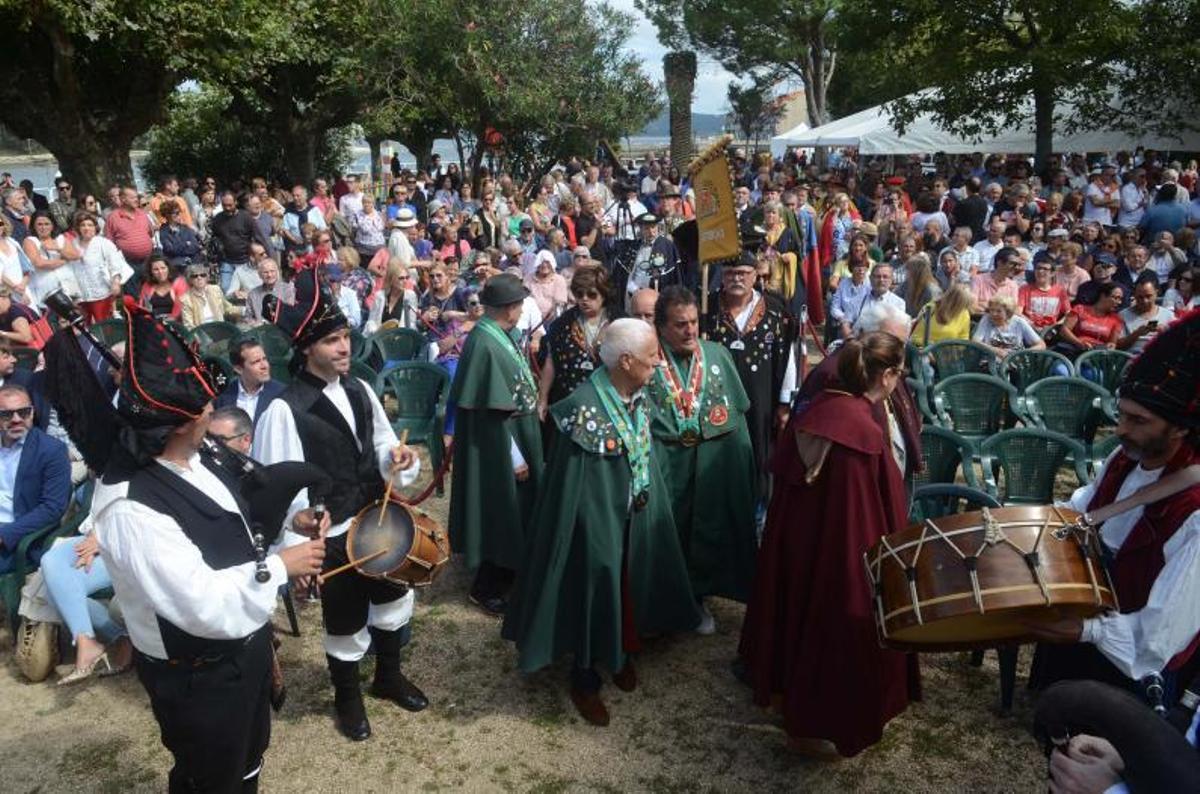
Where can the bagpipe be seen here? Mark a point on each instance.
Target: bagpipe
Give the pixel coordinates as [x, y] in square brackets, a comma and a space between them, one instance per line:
[80, 386]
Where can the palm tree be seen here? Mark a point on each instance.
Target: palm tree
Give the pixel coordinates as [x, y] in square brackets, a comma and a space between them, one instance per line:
[679, 69]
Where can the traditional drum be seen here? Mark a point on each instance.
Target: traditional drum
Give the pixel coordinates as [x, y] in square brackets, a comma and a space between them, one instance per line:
[973, 580]
[407, 546]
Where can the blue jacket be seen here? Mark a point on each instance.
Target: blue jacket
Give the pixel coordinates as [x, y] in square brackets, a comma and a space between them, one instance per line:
[270, 390]
[41, 491]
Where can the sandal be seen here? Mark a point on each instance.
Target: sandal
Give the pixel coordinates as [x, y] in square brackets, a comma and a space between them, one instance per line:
[84, 673]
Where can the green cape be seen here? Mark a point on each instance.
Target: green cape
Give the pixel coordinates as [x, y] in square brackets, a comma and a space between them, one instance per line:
[712, 484]
[567, 597]
[489, 509]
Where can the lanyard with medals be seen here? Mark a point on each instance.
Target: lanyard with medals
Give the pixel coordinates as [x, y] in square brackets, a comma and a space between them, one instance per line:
[730, 322]
[586, 342]
[686, 402]
[633, 427]
[526, 388]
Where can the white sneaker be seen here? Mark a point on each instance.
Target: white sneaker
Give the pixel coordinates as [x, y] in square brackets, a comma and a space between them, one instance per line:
[708, 625]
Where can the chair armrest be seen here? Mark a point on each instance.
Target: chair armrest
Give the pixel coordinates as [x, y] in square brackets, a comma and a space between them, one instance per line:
[968, 470]
[989, 475]
[21, 558]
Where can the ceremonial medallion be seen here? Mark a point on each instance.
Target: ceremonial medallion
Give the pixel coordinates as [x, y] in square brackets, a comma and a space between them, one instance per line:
[587, 366]
[718, 416]
[640, 500]
[737, 344]
[689, 438]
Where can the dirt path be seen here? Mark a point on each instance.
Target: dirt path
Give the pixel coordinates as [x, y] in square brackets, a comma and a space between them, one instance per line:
[690, 726]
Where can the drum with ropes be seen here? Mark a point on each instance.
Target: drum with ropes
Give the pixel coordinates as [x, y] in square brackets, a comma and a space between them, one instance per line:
[396, 542]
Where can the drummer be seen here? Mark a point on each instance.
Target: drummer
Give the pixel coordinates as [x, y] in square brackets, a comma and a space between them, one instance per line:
[1155, 549]
[334, 420]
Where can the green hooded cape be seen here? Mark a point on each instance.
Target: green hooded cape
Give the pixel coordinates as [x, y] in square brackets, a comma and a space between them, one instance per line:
[489, 509]
[567, 597]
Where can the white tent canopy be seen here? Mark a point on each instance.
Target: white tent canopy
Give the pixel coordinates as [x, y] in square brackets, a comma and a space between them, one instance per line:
[871, 132]
[780, 143]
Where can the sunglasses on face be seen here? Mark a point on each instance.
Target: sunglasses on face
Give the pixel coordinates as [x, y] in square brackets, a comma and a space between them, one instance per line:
[198, 275]
[587, 295]
[7, 414]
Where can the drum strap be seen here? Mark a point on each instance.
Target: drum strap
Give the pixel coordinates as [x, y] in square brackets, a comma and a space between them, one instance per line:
[1166, 487]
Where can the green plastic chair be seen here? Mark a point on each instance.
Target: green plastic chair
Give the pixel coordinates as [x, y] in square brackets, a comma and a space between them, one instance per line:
[1100, 452]
[973, 406]
[363, 371]
[27, 357]
[280, 369]
[960, 357]
[1024, 367]
[39, 540]
[394, 345]
[214, 337]
[946, 499]
[1030, 459]
[1104, 367]
[1066, 405]
[944, 452]
[420, 390]
[275, 343]
[359, 348]
[110, 331]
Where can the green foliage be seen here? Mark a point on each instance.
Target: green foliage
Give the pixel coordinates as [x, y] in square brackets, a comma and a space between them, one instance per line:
[775, 38]
[753, 110]
[201, 136]
[1159, 90]
[993, 64]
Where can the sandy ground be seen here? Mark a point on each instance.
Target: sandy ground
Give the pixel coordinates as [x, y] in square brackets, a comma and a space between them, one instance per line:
[690, 726]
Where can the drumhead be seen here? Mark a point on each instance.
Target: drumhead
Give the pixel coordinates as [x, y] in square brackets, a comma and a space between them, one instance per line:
[368, 537]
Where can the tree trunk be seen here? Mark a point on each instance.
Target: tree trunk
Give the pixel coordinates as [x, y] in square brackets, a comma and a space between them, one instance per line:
[299, 152]
[679, 71]
[1043, 117]
[375, 144]
[421, 146]
[462, 157]
[95, 165]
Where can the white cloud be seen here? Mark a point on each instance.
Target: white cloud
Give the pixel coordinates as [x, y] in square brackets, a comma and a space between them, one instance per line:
[711, 78]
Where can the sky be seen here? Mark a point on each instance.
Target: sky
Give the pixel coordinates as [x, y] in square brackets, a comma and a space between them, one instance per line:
[711, 78]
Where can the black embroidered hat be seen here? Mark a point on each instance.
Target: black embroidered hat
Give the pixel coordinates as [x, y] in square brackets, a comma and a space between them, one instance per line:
[314, 315]
[503, 290]
[165, 382]
[1164, 378]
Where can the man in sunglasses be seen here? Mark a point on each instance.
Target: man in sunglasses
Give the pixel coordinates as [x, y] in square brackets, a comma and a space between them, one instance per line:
[35, 475]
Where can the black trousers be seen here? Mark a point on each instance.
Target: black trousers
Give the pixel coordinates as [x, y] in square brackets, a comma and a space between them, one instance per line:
[346, 598]
[1156, 755]
[215, 719]
[492, 581]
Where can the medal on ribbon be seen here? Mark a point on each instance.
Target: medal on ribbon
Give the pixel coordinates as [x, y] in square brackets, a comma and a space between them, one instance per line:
[686, 400]
[633, 428]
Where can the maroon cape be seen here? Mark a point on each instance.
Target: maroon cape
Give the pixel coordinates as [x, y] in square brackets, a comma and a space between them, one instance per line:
[809, 634]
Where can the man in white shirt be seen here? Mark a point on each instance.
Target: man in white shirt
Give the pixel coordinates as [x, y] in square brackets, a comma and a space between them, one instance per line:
[881, 292]
[1134, 198]
[986, 248]
[351, 204]
[1155, 548]
[347, 301]
[252, 390]
[333, 420]
[1102, 199]
[197, 589]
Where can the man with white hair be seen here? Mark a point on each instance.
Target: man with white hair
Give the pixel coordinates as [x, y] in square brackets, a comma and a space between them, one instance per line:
[899, 419]
[603, 565]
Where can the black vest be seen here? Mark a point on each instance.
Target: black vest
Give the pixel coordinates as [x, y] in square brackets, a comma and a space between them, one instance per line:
[349, 461]
[220, 535]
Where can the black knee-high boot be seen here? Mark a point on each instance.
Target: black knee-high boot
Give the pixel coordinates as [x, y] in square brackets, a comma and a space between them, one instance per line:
[389, 682]
[347, 699]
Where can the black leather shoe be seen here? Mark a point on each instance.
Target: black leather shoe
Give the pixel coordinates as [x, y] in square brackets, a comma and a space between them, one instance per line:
[493, 605]
[398, 689]
[352, 716]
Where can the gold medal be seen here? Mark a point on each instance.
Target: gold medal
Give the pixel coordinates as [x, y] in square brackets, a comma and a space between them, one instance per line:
[689, 438]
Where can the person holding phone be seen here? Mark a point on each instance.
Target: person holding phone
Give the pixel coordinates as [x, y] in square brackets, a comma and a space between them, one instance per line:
[1144, 318]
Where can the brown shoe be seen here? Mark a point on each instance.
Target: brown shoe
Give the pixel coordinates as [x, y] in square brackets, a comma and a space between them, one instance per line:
[626, 678]
[590, 707]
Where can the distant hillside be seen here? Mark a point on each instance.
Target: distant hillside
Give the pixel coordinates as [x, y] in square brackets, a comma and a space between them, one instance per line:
[704, 125]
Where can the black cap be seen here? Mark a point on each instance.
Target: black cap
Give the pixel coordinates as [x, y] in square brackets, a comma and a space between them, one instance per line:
[503, 290]
[1164, 378]
[165, 382]
[646, 219]
[314, 315]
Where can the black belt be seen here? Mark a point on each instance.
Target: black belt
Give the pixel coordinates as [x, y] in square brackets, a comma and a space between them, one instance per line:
[234, 648]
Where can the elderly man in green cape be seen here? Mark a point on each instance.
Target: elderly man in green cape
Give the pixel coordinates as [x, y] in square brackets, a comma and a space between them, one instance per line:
[703, 445]
[604, 564]
[497, 446]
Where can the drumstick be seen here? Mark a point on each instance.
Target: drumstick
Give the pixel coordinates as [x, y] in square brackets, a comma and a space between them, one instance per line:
[387, 493]
[322, 577]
